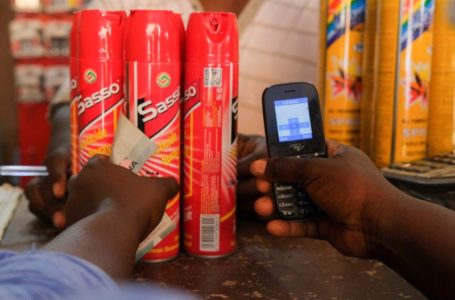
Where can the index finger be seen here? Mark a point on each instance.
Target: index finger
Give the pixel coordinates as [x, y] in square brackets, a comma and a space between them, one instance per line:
[254, 147]
[295, 169]
[316, 229]
[58, 165]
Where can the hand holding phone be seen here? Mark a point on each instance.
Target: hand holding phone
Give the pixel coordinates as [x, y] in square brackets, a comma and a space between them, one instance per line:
[293, 126]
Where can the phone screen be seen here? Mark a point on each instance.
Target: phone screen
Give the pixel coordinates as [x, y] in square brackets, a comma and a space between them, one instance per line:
[293, 119]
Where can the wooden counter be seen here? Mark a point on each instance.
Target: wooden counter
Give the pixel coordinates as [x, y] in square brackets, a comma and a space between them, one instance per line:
[263, 267]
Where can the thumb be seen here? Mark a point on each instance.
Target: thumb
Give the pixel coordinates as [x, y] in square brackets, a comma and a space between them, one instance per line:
[170, 186]
[161, 190]
[286, 169]
[166, 187]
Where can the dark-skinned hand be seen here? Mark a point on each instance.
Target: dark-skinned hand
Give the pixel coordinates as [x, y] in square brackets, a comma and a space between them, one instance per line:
[47, 195]
[102, 186]
[346, 185]
[250, 148]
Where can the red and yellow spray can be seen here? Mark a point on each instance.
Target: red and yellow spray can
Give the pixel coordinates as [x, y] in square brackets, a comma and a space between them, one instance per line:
[74, 92]
[99, 40]
[153, 90]
[210, 134]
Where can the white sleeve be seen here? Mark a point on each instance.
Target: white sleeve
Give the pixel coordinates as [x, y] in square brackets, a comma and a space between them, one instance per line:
[184, 7]
[63, 93]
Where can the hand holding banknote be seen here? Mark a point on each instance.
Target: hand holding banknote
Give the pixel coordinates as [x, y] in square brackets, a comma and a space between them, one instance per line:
[134, 198]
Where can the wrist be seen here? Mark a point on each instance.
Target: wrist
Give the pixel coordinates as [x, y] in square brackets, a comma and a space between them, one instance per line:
[378, 219]
[129, 224]
[137, 223]
[104, 238]
[60, 129]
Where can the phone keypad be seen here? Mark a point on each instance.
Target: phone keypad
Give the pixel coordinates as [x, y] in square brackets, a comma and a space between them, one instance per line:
[294, 203]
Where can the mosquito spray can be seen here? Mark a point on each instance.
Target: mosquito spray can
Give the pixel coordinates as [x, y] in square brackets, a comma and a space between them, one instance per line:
[99, 39]
[210, 134]
[152, 57]
[74, 93]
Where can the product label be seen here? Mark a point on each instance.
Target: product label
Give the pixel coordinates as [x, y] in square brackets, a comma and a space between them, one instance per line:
[153, 101]
[441, 127]
[74, 95]
[383, 93]
[343, 83]
[210, 160]
[413, 82]
[368, 77]
[99, 106]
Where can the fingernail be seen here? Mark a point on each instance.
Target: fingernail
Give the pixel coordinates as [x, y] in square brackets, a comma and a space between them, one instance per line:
[58, 219]
[258, 167]
[263, 186]
[58, 190]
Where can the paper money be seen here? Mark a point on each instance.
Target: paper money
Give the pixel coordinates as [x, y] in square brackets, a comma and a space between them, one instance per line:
[132, 149]
[9, 200]
[157, 235]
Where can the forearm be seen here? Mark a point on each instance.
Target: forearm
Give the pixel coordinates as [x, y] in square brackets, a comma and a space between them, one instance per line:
[60, 127]
[417, 239]
[106, 239]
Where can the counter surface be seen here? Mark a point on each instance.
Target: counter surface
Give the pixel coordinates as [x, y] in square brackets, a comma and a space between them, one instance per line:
[262, 267]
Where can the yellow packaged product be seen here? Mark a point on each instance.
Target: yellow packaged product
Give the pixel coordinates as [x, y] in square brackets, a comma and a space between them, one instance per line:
[368, 75]
[442, 91]
[343, 69]
[401, 89]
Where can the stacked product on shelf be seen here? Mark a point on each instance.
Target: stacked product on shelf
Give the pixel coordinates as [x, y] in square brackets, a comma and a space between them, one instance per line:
[342, 60]
[405, 85]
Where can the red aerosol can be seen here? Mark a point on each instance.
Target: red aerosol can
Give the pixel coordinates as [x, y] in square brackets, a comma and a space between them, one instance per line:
[210, 134]
[153, 90]
[99, 39]
[181, 29]
[74, 93]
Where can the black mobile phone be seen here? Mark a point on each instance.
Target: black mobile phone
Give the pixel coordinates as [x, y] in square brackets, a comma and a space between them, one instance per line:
[293, 126]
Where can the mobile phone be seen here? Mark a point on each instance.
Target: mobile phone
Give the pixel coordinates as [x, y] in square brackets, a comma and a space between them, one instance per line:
[293, 126]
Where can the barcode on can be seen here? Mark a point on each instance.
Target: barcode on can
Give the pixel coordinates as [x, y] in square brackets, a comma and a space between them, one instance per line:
[213, 77]
[209, 235]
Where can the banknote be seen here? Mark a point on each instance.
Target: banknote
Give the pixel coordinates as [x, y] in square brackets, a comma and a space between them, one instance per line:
[131, 148]
[157, 235]
[9, 200]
